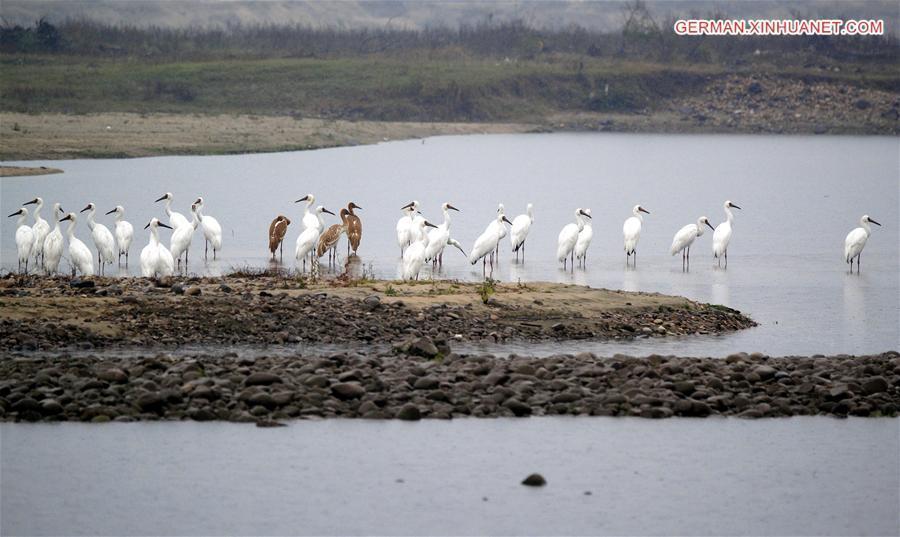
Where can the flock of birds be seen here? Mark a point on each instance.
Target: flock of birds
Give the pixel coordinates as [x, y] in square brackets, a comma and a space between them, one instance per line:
[419, 240]
[45, 246]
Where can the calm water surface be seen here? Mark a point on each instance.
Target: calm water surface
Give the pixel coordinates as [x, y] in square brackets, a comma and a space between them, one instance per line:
[800, 196]
[797, 476]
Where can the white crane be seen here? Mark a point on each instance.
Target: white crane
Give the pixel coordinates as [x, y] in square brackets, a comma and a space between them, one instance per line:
[124, 232]
[212, 231]
[24, 238]
[487, 242]
[631, 229]
[439, 236]
[156, 259]
[176, 220]
[310, 219]
[80, 257]
[568, 237]
[180, 242]
[521, 225]
[856, 241]
[404, 225]
[584, 239]
[500, 229]
[414, 256]
[309, 237]
[685, 238]
[39, 229]
[722, 234]
[52, 248]
[103, 239]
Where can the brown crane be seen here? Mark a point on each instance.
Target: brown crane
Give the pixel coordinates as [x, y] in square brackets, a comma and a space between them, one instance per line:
[277, 229]
[329, 239]
[354, 228]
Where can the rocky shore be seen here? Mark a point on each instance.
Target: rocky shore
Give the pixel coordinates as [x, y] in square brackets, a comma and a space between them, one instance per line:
[424, 379]
[51, 314]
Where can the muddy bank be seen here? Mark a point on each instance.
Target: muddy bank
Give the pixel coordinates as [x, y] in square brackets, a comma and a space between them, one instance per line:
[123, 135]
[422, 380]
[20, 171]
[38, 313]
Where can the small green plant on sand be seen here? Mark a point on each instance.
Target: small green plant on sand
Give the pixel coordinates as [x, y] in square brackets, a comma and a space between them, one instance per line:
[486, 289]
[390, 291]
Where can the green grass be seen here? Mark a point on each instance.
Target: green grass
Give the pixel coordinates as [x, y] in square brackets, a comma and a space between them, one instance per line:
[415, 88]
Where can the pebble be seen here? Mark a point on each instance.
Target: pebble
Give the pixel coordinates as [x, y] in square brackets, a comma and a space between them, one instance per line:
[534, 480]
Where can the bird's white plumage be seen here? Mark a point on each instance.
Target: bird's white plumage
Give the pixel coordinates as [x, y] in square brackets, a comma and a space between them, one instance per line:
[568, 236]
[310, 219]
[487, 241]
[857, 238]
[52, 246]
[497, 226]
[124, 231]
[414, 255]
[103, 238]
[24, 237]
[176, 219]
[584, 238]
[156, 259]
[309, 237]
[212, 231]
[723, 232]
[631, 229]
[182, 236]
[521, 225]
[438, 237]
[40, 229]
[686, 235]
[79, 255]
[405, 232]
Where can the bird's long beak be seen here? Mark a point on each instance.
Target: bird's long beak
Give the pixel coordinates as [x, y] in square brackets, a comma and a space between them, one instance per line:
[112, 211]
[641, 209]
[160, 198]
[160, 224]
[407, 206]
[874, 222]
[429, 224]
[710, 226]
[197, 201]
[304, 198]
[452, 207]
[34, 201]
[148, 225]
[324, 210]
[735, 206]
[586, 214]
[88, 208]
[15, 213]
[67, 217]
[505, 219]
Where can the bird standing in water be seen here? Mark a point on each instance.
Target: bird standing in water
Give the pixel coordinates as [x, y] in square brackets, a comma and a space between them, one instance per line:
[354, 228]
[277, 230]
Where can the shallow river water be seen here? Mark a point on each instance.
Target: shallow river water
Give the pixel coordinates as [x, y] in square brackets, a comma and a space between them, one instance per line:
[800, 196]
[796, 476]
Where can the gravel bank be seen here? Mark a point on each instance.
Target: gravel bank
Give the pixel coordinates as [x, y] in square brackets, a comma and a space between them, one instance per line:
[424, 379]
[59, 313]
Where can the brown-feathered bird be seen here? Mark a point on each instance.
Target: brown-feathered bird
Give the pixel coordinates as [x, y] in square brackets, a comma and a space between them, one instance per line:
[329, 239]
[354, 228]
[277, 229]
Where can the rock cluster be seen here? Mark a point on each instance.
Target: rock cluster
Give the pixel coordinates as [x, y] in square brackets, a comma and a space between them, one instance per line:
[394, 384]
